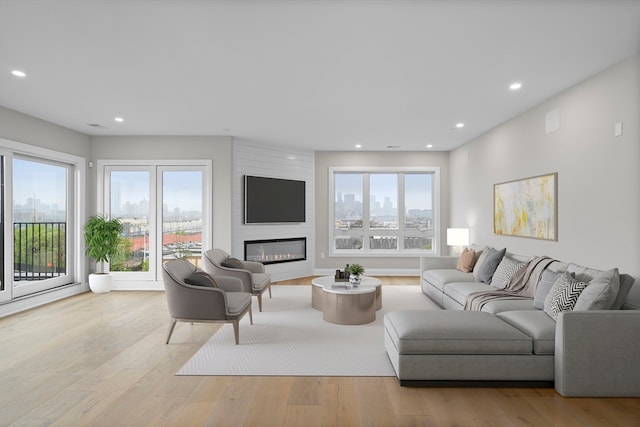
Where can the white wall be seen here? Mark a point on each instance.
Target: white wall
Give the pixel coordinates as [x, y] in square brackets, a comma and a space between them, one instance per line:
[598, 173]
[30, 130]
[373, 265]
[251, 158]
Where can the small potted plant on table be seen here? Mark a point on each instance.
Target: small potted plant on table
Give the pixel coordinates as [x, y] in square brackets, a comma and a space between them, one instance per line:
[101, 239]
[355, 274]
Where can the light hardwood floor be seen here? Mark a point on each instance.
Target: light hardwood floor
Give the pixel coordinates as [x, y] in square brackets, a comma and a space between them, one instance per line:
[100, 360]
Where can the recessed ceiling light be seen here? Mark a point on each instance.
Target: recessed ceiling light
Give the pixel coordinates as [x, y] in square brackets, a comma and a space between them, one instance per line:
[291, 157]
[19, 73]
[515, 86]
[119, 119]
[358, 145]
[429, 145]
[459, 125]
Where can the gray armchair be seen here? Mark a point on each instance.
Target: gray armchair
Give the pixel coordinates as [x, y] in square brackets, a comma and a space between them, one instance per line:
[252, 274]
[203, 303]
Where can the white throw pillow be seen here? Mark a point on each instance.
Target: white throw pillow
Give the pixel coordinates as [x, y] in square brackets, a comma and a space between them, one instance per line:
[505, 271]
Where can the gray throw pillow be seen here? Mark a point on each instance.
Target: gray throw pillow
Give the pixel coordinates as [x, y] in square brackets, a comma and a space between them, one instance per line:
[489, 265]
[201, 278]
[547, 279]
[600, 292]
[232, 263]
[563, 295]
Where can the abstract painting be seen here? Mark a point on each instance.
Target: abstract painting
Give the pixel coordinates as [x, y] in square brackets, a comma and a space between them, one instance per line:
[527, 207]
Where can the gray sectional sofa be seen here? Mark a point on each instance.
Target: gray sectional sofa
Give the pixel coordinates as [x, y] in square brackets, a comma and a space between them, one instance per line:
[521, 337]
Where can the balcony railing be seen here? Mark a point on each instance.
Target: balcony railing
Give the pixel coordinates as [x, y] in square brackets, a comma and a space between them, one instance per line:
[39, 250]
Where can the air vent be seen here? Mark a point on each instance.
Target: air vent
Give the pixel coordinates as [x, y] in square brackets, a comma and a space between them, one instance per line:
[392, 147]
[96, 125]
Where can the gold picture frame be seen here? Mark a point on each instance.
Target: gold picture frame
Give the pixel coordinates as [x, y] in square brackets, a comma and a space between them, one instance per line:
[527, 207]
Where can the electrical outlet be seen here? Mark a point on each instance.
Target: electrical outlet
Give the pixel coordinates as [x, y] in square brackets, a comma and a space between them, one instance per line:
[617, 129]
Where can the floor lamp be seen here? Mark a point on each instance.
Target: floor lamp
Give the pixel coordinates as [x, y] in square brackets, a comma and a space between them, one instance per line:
[458, 238]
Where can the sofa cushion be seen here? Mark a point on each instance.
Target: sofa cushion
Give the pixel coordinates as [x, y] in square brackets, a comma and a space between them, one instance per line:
[505, 271]
[600, 293]
[547, 279]
[632, 299]
[260, 280]
[438, 278]
[563, 295]
[466, 261]
[453, 332]
[487, 264]
[458, 291]
[582, 273]
[626, 283]
[536, 324]
[500, 305]
[237, 302]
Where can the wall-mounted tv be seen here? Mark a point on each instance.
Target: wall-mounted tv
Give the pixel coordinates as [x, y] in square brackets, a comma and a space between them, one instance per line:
[273, 200]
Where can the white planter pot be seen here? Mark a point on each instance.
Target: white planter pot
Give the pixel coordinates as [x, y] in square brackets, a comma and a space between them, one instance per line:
[100, 283]
[355, 279]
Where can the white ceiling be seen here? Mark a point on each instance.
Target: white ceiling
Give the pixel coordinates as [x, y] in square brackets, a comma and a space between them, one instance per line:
[321, 75]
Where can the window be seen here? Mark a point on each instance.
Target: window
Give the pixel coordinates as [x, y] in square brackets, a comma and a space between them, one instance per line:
[41, 199]
[384, 211]
[164, 207]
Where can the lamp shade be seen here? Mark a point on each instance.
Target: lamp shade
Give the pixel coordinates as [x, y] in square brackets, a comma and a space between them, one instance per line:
[457, 236]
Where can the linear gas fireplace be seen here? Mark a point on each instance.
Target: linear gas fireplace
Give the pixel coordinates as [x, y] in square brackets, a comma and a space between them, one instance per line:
[276, 251]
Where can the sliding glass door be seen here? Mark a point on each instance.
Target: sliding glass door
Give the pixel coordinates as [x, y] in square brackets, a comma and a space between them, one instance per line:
[182, 213]
[130, 199]
[163, 208]
[42, 201]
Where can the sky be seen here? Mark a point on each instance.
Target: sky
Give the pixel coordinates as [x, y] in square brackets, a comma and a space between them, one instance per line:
[181, 189]
[416, 196]
[40, 180]
[47, 183]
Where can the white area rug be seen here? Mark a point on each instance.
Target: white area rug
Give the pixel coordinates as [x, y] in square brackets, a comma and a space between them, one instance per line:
[290, 338]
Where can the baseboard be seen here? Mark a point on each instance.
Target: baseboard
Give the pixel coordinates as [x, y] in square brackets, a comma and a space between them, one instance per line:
[460, 383]
[28, 302]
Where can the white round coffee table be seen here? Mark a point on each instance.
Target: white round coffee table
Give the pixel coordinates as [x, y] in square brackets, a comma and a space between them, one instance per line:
[346, 305]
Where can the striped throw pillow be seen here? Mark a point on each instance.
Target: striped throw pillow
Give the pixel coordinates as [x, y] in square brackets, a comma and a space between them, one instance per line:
[505, 271]
[563, 295]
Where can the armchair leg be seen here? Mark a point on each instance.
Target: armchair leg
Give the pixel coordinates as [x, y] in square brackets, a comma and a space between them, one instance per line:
[250, 315]
[269, 290]
[236, 330]
[172, 324]
[260, 302]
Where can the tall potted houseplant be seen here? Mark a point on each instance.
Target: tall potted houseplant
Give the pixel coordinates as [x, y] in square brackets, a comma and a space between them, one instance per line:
[101, 239]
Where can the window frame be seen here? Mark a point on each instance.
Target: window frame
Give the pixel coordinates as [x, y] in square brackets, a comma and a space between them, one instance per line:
[156, 167]
[401, 232]
[76, 270]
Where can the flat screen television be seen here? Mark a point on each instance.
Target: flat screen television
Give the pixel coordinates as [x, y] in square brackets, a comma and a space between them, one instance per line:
[273, 200]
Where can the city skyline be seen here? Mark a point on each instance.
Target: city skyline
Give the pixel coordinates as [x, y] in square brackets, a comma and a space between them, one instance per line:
[41, 188]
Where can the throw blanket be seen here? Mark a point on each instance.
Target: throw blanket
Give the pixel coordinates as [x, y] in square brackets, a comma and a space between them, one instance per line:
[521, 286]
